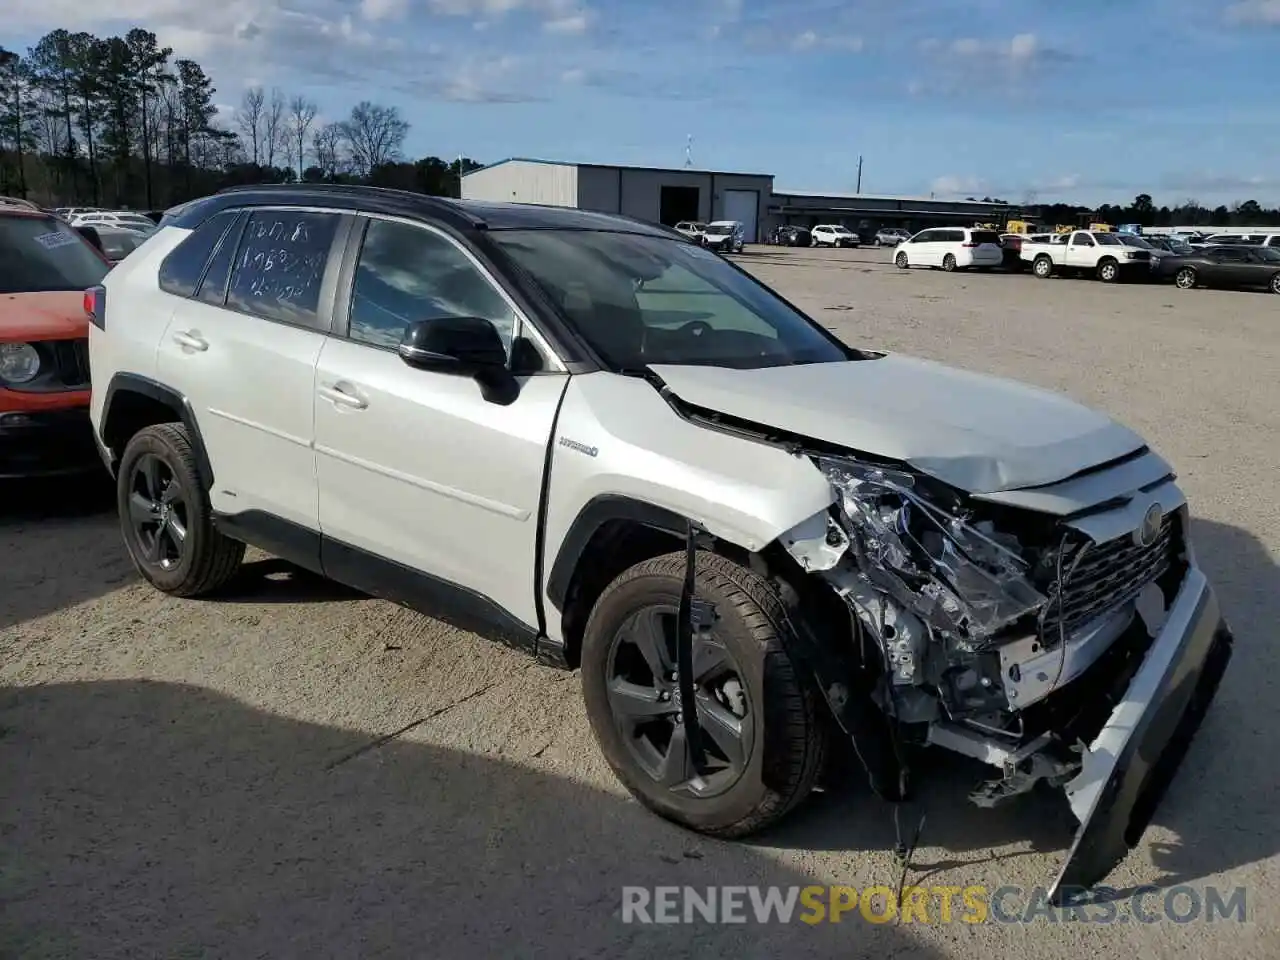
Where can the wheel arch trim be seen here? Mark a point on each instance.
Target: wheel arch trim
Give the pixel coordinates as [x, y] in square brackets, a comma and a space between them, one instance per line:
[133, 383]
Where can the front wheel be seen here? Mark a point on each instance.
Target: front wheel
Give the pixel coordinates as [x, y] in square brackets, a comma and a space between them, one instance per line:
[165, 515]
[763, 738]
[1275, 283]
[1186, 279]
[901, 261]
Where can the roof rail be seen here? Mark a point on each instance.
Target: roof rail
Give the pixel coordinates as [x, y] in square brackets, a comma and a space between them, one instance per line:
[18, 202]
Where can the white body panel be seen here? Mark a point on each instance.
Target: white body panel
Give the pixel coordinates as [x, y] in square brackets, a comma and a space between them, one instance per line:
[745, 492]
[138, 313]
[431, 475]
[251, 392]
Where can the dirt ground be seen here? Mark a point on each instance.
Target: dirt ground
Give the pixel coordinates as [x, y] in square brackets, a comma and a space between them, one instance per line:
[206, 779]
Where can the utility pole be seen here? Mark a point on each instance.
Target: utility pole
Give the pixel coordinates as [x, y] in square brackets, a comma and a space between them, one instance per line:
[859, 190]
[688, 152]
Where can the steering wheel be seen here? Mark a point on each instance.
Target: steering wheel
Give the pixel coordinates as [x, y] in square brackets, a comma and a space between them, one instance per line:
[696, 328]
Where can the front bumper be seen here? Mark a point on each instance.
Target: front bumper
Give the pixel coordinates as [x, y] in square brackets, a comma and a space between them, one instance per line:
[1131, 762]
[43, 443]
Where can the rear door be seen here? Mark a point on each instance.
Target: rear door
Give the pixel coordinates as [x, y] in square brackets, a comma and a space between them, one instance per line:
[243, 350]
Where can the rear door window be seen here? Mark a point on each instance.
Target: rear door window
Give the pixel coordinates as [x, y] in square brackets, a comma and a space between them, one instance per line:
[986, 236]
[280, 265]
[181, 270]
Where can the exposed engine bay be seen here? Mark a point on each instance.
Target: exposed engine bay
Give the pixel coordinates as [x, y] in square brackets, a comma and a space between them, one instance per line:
[983, 615]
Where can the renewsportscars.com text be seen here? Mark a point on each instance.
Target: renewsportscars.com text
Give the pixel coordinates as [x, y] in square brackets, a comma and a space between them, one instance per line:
[932, 905]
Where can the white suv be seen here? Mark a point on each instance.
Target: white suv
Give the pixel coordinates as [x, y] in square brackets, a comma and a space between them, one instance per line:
[951, 248]
[834, 235]
[615, 449]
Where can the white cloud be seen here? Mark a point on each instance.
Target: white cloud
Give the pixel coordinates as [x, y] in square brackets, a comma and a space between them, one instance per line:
[1254, 11]
[955, 184]
[383, 9]
[574, 23]
[804, 41]
[1023, 47]
[967, 47]
[573, 75]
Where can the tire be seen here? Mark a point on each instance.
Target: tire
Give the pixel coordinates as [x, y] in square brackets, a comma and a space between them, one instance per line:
[1042, 267]
[1186, 279]
[900, 261]
[783, 746]
[1108, 270]
[1275, 283]
[165, 516]
[949, 262]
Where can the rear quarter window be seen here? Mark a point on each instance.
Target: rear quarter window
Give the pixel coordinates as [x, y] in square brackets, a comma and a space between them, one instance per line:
[986, 236]
[181, 270]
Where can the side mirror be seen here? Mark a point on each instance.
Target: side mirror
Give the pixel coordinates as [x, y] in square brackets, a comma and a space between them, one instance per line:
[464, 347]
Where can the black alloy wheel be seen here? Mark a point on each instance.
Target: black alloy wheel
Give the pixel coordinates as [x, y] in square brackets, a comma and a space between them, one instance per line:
[159, 512]
[644, 696]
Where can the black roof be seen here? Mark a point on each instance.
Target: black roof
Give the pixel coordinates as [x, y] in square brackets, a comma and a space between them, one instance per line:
[460, 214]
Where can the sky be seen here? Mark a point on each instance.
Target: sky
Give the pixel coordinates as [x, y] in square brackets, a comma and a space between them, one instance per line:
[1081, 101]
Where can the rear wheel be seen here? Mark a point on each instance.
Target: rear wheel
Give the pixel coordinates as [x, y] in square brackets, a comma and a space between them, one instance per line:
[763, 736]
[901, 261]
[1186, 279]
[1275, 283]
[1042, 268]
[165, 515]
[1108, 271]
[949, 262]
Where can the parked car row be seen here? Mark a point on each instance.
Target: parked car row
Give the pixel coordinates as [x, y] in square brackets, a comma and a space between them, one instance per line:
[1106, 255]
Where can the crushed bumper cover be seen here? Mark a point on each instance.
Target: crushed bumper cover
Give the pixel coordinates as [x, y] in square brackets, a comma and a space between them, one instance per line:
[1130, 764]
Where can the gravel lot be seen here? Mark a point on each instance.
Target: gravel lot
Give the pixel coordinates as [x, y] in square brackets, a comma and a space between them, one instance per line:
[192, 779]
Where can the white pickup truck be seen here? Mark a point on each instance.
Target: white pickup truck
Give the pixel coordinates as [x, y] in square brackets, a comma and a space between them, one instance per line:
[1095, 252]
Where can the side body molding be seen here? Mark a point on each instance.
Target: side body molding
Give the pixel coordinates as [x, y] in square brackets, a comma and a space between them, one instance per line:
[620, 454]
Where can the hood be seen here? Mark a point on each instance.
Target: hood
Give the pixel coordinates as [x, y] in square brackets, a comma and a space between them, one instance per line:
[979, 433]
[51, 315]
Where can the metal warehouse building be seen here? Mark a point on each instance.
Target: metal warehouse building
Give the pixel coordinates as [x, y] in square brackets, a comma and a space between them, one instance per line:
[860, 210]
[647, 193]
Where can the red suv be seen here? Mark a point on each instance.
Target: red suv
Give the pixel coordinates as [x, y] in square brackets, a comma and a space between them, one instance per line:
[45, 268]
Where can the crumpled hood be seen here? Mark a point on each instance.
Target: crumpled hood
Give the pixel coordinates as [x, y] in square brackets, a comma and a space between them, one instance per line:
[979, 433]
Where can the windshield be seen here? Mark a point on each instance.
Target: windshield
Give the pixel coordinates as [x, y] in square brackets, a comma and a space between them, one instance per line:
[43, 253]
[720, 229]
[1131, 240]
[1107, 239]
[640, 300]
[839, 229]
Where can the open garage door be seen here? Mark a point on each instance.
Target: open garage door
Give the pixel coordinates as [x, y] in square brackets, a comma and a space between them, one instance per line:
[743, 205]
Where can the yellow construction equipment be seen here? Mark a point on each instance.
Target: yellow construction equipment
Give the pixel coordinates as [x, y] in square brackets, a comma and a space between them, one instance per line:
[1102, 227]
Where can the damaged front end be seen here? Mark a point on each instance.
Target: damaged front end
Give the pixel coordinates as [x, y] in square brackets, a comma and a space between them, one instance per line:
[1082, 654]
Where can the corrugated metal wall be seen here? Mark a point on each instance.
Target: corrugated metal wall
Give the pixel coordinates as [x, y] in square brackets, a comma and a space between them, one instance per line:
[521, 181]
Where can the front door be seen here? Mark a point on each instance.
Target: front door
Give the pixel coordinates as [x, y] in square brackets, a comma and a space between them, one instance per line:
[414, 466]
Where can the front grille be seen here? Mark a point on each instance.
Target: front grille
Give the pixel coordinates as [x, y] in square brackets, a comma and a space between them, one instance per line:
[1109, 574]
[71, 362]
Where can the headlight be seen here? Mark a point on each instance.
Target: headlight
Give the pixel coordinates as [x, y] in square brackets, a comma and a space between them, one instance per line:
[962, 578]
[19, 362]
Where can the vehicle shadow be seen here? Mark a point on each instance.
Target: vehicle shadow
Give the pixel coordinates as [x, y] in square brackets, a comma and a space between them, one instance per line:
[272, 580]
[1221, 812]
[61, 545]
[154, 819]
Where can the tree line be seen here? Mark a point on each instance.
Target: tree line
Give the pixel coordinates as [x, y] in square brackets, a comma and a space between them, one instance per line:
[118, 122]
[1188, 213]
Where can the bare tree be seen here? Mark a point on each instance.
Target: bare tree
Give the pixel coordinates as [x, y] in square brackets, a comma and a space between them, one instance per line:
[327, 144]
[374, 134]
[302, 113]
[274, 134]
[250, 119]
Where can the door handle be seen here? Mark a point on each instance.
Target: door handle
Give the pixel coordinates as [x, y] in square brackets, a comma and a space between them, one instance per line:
[342, 398]
[192, 341]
